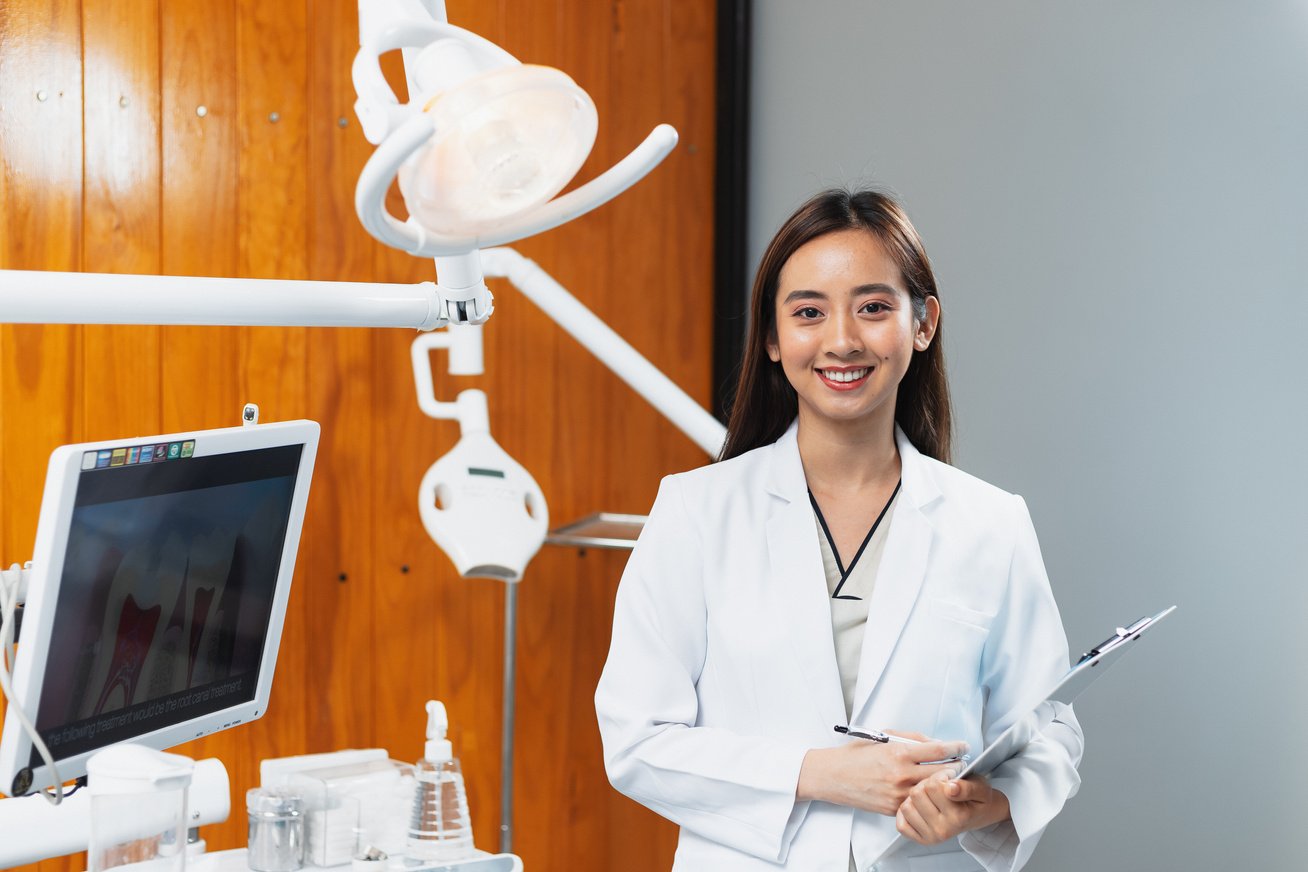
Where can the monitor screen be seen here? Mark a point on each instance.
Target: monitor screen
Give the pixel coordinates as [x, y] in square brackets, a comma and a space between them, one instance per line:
[172, 573]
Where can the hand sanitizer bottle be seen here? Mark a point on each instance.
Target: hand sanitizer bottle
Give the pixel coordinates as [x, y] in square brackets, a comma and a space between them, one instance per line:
[440, 828]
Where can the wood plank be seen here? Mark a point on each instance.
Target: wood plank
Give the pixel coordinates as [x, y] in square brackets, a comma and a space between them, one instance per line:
[122, 372]
[122, 162]
[689, 103]
[341, 682]
[40, 131]
[200, 237]
[640, 48]
[41, 157]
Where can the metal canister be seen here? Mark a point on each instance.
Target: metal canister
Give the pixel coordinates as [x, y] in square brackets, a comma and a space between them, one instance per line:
[276, 842]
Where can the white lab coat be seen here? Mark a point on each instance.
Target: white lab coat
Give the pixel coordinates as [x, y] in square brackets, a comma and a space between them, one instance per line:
[722, 671]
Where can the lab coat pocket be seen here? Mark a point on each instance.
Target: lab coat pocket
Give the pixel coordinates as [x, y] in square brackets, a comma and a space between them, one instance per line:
[963, 631]
[959, 613]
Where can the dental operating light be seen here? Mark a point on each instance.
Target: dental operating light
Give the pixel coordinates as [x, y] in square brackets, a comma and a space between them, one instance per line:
[480, 150]
[506, 141]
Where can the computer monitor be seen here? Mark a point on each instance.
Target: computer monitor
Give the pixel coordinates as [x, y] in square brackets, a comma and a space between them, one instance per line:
[159, 583]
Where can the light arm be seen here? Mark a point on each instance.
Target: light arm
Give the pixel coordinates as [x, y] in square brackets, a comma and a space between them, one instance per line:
[39, 297]
[612, 350]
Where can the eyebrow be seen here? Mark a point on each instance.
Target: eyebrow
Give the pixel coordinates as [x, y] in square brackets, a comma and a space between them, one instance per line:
[877, 288]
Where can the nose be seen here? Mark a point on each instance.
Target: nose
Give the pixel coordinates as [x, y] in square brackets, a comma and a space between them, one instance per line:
[843, 339]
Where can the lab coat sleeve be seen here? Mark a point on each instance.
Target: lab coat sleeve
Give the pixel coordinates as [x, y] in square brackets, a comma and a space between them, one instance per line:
[737, 790]
[1024, 657]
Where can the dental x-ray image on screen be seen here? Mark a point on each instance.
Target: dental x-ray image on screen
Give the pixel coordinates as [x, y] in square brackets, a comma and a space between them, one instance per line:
[165, 596]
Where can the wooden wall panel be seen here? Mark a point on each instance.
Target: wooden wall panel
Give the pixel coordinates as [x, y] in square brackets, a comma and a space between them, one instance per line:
[229, 191]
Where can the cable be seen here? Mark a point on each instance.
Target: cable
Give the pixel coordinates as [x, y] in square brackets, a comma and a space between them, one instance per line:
[78, 784]
[10, 582]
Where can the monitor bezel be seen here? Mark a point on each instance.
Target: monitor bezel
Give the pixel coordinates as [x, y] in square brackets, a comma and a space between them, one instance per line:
[54, 524]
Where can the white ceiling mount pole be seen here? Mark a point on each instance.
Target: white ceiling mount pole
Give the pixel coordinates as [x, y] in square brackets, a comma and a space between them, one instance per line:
[43, 297]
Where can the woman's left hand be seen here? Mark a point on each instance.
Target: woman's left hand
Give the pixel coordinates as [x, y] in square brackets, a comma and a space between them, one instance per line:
[940, 808]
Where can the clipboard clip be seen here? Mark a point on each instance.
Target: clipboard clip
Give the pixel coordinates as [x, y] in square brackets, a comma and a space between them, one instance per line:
[1121, 637]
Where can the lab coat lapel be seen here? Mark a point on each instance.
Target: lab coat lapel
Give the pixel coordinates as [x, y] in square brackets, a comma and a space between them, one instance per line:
[902, 571]
[796, 585]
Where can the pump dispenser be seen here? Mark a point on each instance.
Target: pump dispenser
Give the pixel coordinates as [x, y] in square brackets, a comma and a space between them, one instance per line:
[440, 828]
[437, 749]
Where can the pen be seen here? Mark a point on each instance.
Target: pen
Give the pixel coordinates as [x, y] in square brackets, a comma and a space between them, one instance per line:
[872, 735]
[878, 736]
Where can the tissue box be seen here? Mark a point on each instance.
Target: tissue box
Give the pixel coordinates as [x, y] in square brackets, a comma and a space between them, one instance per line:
[353, 807]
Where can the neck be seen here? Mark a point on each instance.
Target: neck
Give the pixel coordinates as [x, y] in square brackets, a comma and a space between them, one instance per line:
[844, 456]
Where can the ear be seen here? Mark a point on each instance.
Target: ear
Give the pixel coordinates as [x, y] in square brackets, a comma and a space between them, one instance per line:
[926, 328]
[774, 351]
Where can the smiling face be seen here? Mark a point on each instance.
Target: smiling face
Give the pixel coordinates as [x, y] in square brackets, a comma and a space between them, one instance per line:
[846, 330]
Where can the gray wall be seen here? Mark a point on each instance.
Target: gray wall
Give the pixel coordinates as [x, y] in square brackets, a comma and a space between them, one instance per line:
[1115, 196]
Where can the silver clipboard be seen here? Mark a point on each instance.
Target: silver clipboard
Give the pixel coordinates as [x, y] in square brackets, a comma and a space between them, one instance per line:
[1092, 664]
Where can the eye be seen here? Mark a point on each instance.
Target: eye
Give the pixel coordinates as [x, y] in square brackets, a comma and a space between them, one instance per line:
[808, 312]
[876, 307]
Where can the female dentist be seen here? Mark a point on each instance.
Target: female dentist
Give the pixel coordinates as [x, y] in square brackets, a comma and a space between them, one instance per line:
[832, 569]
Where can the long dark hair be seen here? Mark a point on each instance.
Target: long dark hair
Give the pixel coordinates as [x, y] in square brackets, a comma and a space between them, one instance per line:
[765, 403]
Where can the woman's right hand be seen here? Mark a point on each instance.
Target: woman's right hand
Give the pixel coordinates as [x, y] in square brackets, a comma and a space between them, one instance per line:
[873, 776]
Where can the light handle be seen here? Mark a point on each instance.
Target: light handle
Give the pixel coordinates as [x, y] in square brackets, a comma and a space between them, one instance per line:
[379, 110]
[469, 408]
[375, 180]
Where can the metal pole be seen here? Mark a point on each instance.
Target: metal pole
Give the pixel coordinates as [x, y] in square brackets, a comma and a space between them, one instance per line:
[506, 739]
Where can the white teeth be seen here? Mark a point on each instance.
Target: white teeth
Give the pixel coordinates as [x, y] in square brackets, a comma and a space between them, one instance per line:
[848, 375]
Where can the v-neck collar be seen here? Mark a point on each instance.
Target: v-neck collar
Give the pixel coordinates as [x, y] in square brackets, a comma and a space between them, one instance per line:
[846, 571]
